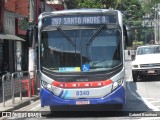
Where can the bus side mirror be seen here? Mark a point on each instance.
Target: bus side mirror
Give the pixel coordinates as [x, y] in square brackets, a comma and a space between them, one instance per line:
[32, 36]
[128, 35]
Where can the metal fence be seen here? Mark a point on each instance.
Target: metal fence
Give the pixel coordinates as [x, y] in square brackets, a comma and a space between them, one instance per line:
[6, 87]
[18, 84]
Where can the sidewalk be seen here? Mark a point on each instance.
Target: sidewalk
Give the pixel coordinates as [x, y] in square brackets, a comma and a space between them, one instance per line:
[127, 57]
[9, 106]
[12, 87]
[18, 103]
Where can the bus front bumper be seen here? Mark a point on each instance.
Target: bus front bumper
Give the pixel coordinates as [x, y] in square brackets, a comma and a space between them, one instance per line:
[115, 97]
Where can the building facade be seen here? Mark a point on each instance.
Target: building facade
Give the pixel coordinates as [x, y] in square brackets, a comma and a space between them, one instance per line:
[15, 17]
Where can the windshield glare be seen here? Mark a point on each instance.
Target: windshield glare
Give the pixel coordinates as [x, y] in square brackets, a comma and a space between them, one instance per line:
[148, 50]
[80, 50]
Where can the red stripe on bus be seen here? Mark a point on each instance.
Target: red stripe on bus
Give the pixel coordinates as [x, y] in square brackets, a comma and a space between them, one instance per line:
[82, 84]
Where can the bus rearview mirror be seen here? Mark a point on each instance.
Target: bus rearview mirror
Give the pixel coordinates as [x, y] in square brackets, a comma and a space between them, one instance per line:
[31, 36]
[128, 35]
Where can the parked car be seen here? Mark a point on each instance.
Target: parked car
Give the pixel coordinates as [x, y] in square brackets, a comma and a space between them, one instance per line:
[147, 61]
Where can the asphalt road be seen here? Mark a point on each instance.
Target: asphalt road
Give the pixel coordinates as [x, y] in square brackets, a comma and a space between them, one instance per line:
[143, 97]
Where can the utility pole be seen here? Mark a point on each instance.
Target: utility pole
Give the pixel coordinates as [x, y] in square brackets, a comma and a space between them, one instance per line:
[157, 23]
[155, 27]
[31, 58]
[32, 5]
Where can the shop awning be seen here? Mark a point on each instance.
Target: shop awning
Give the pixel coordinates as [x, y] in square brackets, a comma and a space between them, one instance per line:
[10, 37]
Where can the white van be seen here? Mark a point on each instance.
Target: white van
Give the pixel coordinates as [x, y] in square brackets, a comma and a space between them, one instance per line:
[147, 61]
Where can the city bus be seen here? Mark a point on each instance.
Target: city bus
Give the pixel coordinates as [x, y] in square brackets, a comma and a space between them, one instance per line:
[81, 57]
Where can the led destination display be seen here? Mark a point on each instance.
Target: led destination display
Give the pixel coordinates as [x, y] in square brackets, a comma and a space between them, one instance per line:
[80, 20]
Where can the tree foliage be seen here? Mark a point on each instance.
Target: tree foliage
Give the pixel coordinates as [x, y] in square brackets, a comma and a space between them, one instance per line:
[149, 5]
[89, 3]
[133, 10]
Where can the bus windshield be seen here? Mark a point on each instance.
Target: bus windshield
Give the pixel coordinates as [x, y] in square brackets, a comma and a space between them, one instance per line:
[80, 48]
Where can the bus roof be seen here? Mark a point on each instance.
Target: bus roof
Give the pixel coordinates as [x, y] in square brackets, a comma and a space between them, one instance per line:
[77, 11]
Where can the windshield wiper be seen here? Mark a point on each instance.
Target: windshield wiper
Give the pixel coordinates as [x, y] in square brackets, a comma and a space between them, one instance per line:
[104, 64]
[66, 36]
[97, 64]
[97, 32]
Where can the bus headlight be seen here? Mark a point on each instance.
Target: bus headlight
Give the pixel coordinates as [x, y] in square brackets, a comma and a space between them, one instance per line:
[117, 83]
[47, 85]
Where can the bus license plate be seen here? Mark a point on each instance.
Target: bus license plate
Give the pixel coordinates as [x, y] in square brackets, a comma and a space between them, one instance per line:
[151, 71]
[82, 102]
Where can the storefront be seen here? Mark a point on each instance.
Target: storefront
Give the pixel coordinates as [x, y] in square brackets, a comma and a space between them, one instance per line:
[10, 46]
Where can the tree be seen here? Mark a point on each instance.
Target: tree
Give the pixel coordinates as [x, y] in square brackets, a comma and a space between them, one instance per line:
[149, 6]
[70, 4]
[151, 10]
[122, 5]
[83, 4]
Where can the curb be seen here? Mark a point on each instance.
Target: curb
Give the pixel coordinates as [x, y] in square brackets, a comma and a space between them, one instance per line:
[25, 102]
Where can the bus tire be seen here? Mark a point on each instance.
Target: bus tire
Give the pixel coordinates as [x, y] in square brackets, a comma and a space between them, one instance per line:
[119, 106]
[134, 76]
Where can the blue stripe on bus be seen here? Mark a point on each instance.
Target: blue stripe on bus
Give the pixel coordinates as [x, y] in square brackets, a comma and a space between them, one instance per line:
[61, 93]
[65, 94]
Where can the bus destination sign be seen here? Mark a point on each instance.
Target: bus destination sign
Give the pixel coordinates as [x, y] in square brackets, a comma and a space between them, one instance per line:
[80, 20]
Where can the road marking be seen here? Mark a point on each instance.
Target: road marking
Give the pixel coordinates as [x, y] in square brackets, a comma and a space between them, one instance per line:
[155, 118]
[34, 108]
[151, 106]
[155, 101]
[150, 98]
